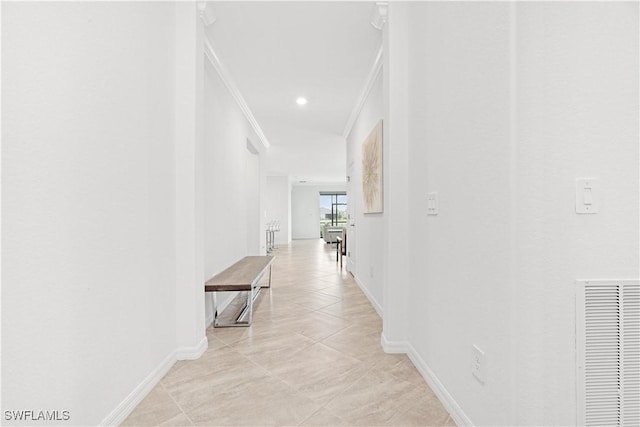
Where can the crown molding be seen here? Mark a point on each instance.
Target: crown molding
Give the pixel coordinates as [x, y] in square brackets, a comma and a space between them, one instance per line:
[379, 15]
[206, 13]
[364, 93]
[228, 81]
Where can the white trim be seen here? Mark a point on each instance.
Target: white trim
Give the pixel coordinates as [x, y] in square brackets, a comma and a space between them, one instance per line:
[206, 13]
[228, 81]
[393, 347]
[368, 294]
[581, 282]
[192, 353]
[124, 409]
[364, 93]
[380, 14]
[454, 409]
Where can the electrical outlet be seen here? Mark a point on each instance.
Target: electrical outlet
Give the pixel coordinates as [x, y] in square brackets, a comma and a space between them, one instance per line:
[371, 271]
[477, 364]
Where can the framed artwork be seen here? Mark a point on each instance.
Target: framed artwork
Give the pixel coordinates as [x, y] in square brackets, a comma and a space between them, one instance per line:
[372, 171]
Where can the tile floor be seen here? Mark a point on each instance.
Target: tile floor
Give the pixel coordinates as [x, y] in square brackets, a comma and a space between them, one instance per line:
[311, 358]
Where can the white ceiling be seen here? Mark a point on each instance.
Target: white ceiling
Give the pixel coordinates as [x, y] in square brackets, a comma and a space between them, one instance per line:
[277, 51]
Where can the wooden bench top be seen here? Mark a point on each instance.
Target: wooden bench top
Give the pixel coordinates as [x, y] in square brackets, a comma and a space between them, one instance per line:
[240, 276]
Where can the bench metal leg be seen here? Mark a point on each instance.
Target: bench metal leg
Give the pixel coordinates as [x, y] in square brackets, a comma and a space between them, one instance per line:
[269, 285]
[250, 298]
[216, 320]
[247, 308]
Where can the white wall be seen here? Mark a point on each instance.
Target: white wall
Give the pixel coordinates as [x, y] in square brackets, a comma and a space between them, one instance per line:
[577, 116]
[367, 250]
[278, 206]
[305, 209]
[88, 256]
[507, 106]
[459, 147]
[232, 183]
[189, 172]
[118, 200]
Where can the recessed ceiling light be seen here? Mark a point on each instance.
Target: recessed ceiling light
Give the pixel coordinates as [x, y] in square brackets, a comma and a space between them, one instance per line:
[301, 100]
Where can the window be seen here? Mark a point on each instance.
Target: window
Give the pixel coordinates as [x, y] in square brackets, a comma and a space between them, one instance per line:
[333, 209]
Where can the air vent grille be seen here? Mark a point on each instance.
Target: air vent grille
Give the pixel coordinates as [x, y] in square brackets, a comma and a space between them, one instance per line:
[608, 353]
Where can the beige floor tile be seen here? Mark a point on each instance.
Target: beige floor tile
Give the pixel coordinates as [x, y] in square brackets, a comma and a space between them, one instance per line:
[323, 417]
[358, 342]
[314, 301]
[179, 420]
[344, 292]
[213, 341]
[450, 423]
[312, 357]
[422, 409]
[405, 371]
[211, 391]
[158, 407]
[374, 400]
[319, 372]
[269, 348]
[228, 335]
[356, 312]
[214, 366]
[318, 326]
[268, 402]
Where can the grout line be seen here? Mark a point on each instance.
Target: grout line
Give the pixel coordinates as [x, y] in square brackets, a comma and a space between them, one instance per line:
[347, 388]
[360, 325]
[177, 404]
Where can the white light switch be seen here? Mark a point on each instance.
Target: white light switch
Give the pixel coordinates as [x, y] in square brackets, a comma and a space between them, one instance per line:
[586, 196]
[478, 363]
[432, 204]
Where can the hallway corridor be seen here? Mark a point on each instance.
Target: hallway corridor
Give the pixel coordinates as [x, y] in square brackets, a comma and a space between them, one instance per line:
[312, 357]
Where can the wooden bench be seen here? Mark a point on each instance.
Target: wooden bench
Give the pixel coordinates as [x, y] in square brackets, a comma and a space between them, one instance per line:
[244, 275]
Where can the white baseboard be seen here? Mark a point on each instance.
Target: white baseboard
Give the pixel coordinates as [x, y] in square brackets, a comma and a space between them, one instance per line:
[452, 407]
[377, 307]
[456, 412]
[192, 353]
[122, 411]
[393, 347]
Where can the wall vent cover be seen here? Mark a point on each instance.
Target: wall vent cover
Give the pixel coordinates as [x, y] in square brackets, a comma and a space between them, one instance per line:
[608, 352]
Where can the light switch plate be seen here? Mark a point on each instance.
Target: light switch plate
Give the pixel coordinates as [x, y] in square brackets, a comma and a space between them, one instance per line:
[432, 204]
[478, 363]
[587, 196]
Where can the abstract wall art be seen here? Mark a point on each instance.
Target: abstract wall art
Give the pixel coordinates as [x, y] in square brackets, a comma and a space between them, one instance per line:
[372, 171]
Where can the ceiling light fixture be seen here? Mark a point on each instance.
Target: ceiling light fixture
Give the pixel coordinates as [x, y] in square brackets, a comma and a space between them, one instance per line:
[301, 100]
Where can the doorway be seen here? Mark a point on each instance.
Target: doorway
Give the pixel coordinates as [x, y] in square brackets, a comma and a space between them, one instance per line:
[333, 210]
